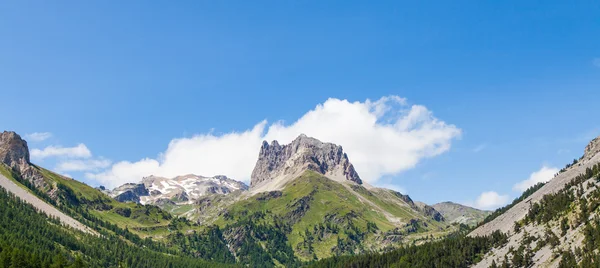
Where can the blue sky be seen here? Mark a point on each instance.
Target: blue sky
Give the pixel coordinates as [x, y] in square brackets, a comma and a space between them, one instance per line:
[520, 81]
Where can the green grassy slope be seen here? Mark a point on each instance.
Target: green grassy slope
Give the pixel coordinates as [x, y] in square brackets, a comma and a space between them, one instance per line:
[461, 214]
[83, 201]
[327, 218]
[313, 217]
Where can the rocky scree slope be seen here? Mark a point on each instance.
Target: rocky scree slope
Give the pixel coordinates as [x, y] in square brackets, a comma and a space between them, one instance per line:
[14, 155]
[556, 226]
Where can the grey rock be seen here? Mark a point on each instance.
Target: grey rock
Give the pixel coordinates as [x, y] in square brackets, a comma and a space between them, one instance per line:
[130, 192]
[304, 153]
[14, 153]
[592, 149]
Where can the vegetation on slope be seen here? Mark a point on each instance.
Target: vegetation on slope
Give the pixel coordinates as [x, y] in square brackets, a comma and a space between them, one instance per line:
[321, 218]
[314, 217]
[30, 239]
[567, 209]
[86, 204]
[456, 250]
[523, 196]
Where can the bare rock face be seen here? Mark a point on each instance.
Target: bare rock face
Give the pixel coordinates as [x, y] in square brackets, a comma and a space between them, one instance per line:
[592, 149]
[15, 154]
[277, 163]
[130, 192]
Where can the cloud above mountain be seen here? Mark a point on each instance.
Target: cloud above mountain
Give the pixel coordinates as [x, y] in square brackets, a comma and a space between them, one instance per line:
[78, 151]
[490, 200]
[543, 175]
[38, 136]
[383, 137]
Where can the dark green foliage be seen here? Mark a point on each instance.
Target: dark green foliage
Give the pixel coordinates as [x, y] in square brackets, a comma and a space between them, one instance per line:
[30, 239]
[567, 260]
[258, 243]
[553, 205]
[209, 245]
[456, 250]
[564, 226]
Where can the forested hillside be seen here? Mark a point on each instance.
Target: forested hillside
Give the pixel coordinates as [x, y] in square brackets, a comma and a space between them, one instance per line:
[30, 239]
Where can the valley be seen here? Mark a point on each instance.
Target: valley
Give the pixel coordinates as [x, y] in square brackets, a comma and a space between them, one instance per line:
[308, 218]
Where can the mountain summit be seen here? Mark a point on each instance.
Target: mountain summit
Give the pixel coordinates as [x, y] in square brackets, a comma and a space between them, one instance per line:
[279, 164]
[14, 153]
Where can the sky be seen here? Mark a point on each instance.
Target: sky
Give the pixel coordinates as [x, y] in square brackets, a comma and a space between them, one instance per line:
[464, 101]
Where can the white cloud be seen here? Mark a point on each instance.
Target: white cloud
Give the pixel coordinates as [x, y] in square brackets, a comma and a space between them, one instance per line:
[543, 175]
[82, 165]
[490, 200]
[38, 136]
[383, 137]
[79, 151]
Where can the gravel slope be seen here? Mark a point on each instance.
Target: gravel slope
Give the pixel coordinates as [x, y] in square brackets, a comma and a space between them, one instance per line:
[41, 205]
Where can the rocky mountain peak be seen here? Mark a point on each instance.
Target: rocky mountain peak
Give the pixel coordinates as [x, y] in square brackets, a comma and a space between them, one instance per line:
[13, 149]
[279, 163]
[591, 149]
[14, 153]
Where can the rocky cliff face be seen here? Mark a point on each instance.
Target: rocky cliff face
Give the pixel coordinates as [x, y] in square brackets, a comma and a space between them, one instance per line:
[591, 150]
[14, 153]
[155, 190]
[278, 164]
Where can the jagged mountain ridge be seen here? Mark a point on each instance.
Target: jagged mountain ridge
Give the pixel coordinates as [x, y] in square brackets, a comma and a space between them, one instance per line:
[312, 188]
[278, 164]
[361, 216]
[180, 189]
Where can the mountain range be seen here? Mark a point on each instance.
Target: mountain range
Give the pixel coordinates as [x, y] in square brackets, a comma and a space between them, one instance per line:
[306, 202]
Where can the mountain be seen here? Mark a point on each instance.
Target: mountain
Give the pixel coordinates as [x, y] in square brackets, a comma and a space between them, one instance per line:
[555, 224]
[179, 190]
[14, 153]
[457, 213]
[277, 164]
[310, 192]
[48, 220]
[306, 202]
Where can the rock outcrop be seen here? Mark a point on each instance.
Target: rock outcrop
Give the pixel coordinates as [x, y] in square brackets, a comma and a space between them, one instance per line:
[14, 153]
[130, 192]
[591, 150]
[154, 189]
[278, 164]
